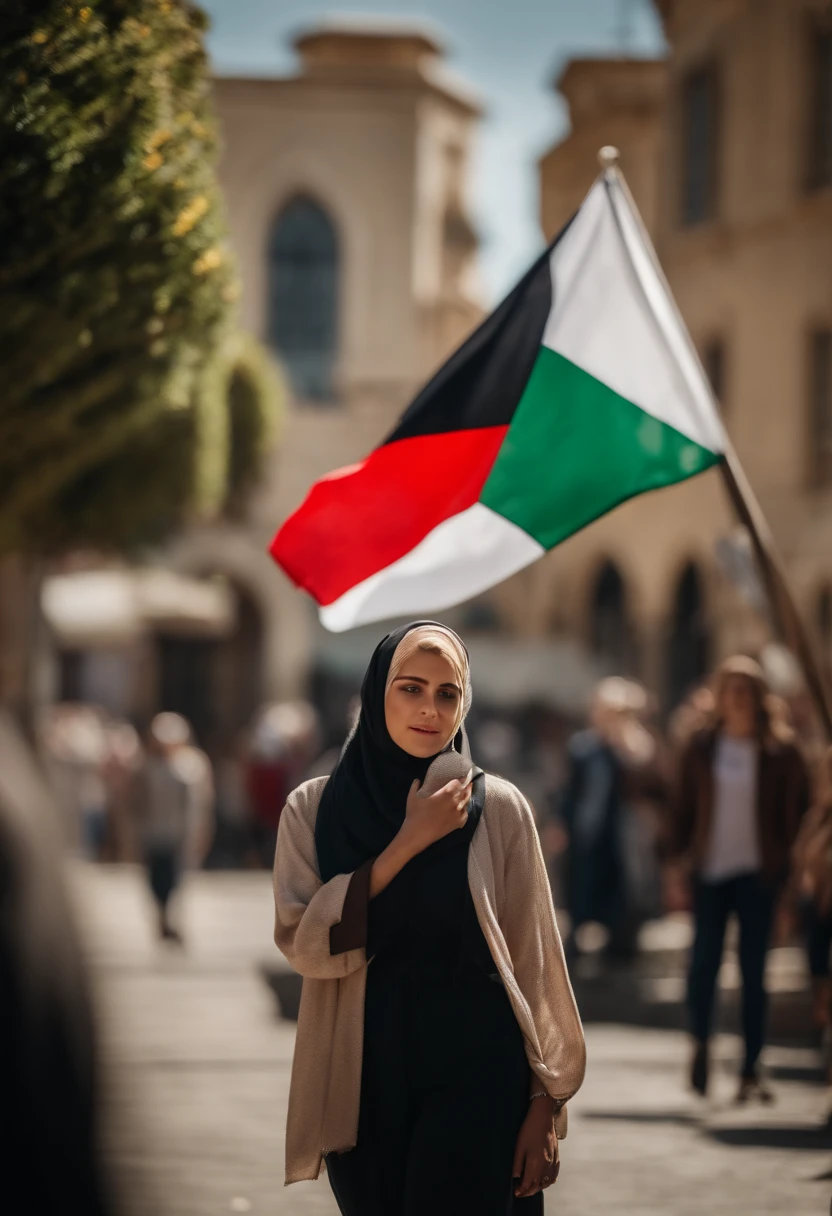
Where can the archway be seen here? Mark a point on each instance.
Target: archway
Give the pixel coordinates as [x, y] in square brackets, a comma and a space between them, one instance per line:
[215, 681]
[611, 634]
[688, 644]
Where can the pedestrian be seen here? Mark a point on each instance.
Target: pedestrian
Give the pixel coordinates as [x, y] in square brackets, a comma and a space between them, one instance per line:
[323, 764]
[645, 785]
[232, 806]
[695, 713]
[122, 763]
[267, 780]
[176, 811]
[592, 812]
[812, 881]
[74, 743]
[742, 788]
[435, 1078]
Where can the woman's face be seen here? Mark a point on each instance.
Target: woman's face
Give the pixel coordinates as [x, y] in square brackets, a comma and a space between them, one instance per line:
[739, 704]
[422, 703]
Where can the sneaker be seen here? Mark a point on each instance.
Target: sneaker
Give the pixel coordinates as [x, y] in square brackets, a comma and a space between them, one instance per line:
[752, 1089]
[699, 1069]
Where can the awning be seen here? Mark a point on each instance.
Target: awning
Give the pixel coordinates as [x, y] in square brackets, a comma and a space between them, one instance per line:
[107, 609]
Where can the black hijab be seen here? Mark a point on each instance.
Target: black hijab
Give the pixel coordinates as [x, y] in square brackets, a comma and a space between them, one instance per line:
[364, 801]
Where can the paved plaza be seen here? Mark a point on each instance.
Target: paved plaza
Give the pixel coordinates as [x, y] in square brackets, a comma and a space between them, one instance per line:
[198, 1064]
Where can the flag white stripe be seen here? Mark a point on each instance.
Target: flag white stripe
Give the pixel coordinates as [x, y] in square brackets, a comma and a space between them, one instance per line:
[612, 316]
[463, 556]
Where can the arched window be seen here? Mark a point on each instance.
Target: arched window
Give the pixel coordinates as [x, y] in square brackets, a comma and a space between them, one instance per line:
[701, 131]
[303, 296]
[687, 647]
[611, 636]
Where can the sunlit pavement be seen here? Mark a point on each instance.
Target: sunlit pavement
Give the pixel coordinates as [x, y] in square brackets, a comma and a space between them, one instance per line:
[197, 1072]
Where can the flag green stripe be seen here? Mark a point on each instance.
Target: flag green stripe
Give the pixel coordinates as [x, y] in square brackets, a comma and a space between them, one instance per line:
[576, 449]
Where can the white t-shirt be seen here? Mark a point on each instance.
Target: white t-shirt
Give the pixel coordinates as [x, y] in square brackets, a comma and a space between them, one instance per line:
[733, 845]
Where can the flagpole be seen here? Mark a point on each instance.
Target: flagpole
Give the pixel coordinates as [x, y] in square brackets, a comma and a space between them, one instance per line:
[785, 613]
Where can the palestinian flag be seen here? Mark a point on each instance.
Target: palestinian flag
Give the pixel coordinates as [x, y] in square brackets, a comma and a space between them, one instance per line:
[580, 391]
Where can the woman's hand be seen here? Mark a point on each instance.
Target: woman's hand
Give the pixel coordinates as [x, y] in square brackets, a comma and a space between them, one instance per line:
[536, 1160]
[429, 819]
[426, 820]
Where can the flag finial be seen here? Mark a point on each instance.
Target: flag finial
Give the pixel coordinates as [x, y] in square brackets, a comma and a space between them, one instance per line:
[608, 156]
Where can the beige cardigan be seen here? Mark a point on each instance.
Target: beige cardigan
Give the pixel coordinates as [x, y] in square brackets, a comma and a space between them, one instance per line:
[513, 901]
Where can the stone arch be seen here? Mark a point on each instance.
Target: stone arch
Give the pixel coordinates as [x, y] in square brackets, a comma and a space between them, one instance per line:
[688, 646]
[223, 680]
[610, 626]
[216, 682]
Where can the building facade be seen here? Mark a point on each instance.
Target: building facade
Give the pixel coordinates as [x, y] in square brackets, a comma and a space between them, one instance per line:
[745, 235]
[726, 146]
[345, 190]
[345, 187]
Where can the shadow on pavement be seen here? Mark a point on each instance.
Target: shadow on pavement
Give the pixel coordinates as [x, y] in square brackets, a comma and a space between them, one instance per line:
[804, 1074]
[650, 991]
[677, 1118]
[287, 987]
[647, 991]
[790, 1137]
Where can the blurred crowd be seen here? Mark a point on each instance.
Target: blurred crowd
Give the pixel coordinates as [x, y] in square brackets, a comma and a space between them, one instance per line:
[159, 799]
[631, 816]
[725, 814]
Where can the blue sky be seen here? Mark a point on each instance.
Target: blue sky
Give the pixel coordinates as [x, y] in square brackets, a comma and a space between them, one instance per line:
[510, 51]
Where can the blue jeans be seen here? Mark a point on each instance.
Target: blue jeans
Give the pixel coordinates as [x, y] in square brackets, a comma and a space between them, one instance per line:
[753, 903]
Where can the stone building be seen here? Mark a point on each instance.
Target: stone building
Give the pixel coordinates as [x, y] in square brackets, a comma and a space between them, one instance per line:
[344, 185]
[345, 192]
[745, 235]
[610, 101]
[727, 146]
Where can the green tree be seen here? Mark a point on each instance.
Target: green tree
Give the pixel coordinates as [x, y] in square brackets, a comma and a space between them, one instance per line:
[256, 396]
[202, 461]
[115, 282]
[121, 406]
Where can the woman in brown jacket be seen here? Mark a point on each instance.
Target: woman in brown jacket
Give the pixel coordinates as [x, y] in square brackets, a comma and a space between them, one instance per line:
[438, 1037]
[812, 882]
[741, 792]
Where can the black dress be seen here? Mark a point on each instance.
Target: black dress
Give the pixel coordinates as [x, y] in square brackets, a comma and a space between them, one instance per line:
[445, 1081]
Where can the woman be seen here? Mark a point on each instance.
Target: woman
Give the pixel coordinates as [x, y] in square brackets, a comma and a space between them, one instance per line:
[592, 810]
[812, 880]
[742, 790]
[438, 1038]
[177, 809]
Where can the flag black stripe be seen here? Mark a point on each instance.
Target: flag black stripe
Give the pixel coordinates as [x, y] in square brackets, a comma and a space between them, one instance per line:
[482, 382]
